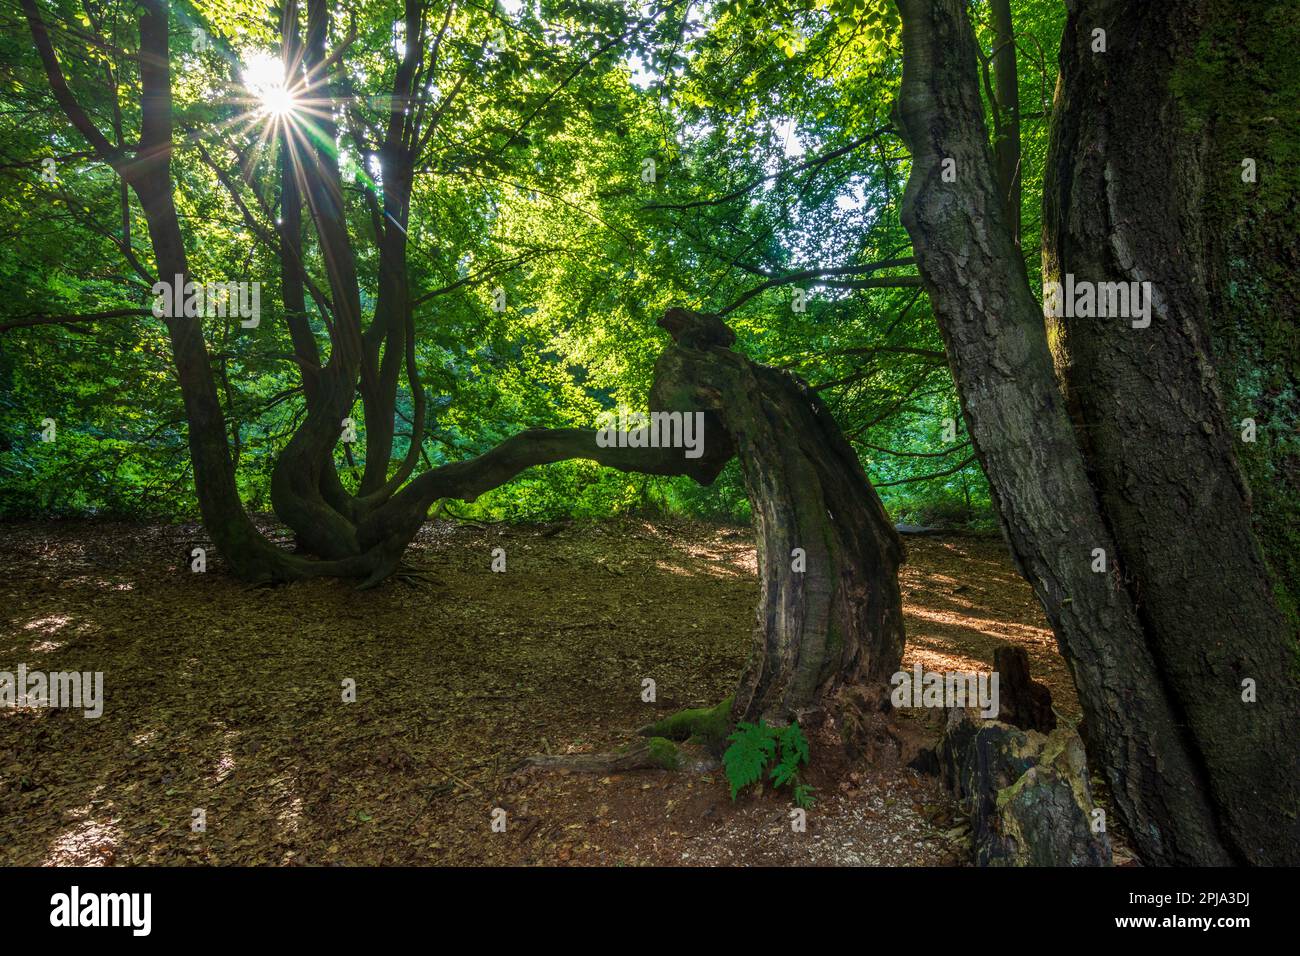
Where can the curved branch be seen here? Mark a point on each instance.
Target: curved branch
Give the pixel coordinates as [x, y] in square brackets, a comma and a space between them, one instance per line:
[917, 454]
[63, 95]
[466, 480]
[889, 282]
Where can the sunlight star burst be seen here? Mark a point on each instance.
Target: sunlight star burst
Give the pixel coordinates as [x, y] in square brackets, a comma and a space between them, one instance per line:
[264, 77]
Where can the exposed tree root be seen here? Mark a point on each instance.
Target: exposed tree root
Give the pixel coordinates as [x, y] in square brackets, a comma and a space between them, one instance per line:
[689, 740]
[412, 576]
[707, 727]
[656, 753]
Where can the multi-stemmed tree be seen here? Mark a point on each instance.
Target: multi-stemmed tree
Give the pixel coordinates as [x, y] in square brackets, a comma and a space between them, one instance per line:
[830, 609]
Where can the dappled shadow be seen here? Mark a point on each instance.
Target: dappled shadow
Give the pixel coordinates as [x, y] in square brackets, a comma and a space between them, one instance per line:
[962, 598]
[230, 700]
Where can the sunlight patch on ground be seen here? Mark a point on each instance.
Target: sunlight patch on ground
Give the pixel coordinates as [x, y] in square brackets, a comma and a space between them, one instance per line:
[931, 659]
[289, 809]
[743, 558]
[88, 843]
[226, 762]
[51, 623]
[1021, 633]
[687, 571]
[931, 578]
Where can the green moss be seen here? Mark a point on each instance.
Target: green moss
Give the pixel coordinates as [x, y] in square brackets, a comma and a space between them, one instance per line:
[664, 753]
[1241, 85]
[1010, 792]
[701, 725]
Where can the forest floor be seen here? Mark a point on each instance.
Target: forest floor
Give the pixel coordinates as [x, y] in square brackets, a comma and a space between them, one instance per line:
[229, 700]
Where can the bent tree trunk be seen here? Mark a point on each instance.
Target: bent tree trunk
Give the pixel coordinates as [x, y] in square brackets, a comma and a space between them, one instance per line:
[1199, 775]
[830, 611]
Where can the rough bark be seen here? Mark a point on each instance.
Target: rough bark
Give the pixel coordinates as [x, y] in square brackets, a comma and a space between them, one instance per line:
[997, 346]
[840, 619]
[1026, 793]
[1124, 199]
[1241, 92]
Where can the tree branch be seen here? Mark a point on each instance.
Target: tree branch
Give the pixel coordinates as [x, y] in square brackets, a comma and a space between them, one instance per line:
[938, 474]
[917, 454]
[31, 320]
[63, 95]
[887, 282]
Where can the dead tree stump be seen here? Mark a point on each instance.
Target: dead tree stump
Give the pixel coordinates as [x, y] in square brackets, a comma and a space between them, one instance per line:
[1023, 702]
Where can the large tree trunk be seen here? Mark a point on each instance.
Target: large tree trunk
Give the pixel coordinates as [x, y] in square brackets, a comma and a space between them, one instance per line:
[1124, 201]
[1254, 271]
[997, 346]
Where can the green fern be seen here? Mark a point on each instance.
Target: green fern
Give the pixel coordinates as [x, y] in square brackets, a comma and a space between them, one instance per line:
[794, 743]
[783, 773]
[755, 746]
[803, 796]
[752, 747]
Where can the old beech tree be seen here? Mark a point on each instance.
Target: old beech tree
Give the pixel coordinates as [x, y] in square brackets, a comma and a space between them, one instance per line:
[838, 621]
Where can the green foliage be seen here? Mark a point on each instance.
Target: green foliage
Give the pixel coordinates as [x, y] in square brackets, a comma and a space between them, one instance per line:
[723, 97]
[756, 747]
[753, 747]
[803, 796]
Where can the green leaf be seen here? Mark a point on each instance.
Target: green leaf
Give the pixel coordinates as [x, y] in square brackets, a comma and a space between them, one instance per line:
[794, 745]
[753, 746]
[784, 772]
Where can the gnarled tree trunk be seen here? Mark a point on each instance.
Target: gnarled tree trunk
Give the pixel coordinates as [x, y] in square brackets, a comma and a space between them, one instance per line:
[829, 615]
[830, 611]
